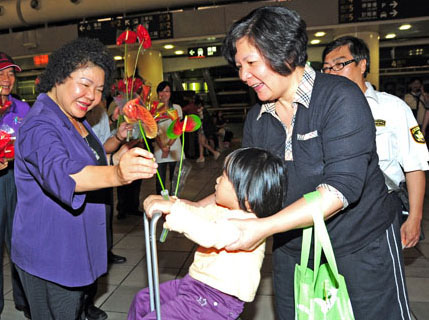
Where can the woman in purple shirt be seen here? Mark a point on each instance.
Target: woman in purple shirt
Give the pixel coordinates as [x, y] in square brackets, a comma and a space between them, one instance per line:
[59, 232]
[11, 117]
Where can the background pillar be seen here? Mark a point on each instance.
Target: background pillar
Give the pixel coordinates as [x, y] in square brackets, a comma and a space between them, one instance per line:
[149, 67]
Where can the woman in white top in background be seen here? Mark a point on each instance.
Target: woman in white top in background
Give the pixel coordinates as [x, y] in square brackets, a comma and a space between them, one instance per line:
[167, 151]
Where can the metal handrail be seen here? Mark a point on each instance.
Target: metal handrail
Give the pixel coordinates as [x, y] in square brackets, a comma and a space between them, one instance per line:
[152, 261]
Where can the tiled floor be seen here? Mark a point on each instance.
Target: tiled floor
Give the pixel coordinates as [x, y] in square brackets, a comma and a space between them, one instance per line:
[119, 286]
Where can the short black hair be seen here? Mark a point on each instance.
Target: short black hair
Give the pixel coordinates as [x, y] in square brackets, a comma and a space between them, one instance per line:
[278, 33]
[358, 49]
[78, 53]
[162, 85]
[258, 177]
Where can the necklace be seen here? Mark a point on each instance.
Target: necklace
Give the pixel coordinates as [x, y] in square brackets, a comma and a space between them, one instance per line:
[82, 133]
[79, 127]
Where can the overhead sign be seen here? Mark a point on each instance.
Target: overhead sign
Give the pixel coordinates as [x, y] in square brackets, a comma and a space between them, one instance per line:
[204, 52]
[160, 26]
[373, 10]
[105, 31]
[404, 56]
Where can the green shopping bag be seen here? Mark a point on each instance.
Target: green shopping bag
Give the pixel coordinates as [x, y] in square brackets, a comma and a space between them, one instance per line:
[320, 294]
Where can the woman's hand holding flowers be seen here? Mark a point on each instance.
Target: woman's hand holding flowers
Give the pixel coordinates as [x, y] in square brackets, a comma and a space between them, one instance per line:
[134, 164]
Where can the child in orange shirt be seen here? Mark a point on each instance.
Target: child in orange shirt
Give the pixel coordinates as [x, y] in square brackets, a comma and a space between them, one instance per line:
[219, 282]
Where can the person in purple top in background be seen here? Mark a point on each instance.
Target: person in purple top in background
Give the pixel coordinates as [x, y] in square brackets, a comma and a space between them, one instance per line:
[59, 232]
[12, 117]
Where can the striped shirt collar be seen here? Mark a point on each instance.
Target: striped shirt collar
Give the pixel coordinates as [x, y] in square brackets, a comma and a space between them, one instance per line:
[302, 95]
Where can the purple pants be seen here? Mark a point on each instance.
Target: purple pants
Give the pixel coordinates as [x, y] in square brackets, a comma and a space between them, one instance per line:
[186, 299]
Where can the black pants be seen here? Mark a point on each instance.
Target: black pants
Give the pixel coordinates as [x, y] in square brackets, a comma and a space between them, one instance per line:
[7, 211]
[51, 301]
[191, 145]
[129, 197]
[374, 277]
[162, 169]
[91, 290]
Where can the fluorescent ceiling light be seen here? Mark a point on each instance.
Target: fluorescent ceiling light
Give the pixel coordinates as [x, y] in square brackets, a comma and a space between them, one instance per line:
[315, 41]
[405, 27]
[390, 36]
[320, 34]
[179, 52]
[168, 46]
[117, 58]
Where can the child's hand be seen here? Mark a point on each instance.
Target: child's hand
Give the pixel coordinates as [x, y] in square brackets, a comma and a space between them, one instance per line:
[155, 203]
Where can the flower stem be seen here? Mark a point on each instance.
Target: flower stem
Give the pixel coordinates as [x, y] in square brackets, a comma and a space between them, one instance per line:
[148, 149]
[135, 67]
[125, 74]
[181, 162]
[164, 232]
[119, 121]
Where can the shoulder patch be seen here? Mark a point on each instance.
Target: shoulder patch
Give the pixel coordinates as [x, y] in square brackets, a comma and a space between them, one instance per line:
[417, 135]
[380, 123]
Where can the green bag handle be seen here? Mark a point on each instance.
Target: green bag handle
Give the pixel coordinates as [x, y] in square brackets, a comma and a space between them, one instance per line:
[305, 252]
[321, 239]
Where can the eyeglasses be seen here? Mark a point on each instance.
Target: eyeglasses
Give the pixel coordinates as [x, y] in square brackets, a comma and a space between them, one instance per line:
[338, 66]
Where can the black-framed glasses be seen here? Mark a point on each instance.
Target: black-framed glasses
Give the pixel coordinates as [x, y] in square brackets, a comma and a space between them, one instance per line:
[338, 66]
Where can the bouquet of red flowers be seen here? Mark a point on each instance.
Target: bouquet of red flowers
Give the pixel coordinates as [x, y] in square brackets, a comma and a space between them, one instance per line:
[140, 109]
[130, 85]
[7, 142]
[127, 88]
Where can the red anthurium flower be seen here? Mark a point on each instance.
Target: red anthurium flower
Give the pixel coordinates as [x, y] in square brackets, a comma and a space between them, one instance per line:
[191, 123]
[143, 36]
[121, 86]
[145, 93]
[134, 112]
[173, 114]
[128, 37]
[137, 84]
[154, 106]
[160, 111]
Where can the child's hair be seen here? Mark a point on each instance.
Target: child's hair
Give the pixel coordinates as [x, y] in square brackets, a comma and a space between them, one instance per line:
[258, 177]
